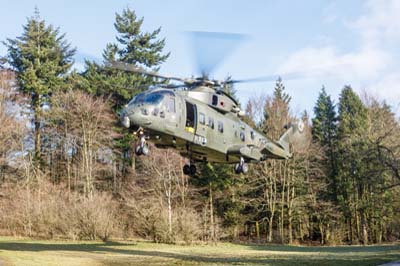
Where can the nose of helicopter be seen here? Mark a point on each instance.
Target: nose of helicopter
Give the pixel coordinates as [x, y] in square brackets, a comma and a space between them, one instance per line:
[135, 116]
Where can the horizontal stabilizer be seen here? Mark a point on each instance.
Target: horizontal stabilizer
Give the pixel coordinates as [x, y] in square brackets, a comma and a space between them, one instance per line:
[289, 136]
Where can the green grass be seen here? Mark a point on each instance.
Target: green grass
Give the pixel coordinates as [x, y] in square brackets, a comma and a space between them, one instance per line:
[14, 251]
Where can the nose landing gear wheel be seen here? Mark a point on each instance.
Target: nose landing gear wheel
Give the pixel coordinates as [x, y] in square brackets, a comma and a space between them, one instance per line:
[245, 168]
[145, 150]
[142, 148]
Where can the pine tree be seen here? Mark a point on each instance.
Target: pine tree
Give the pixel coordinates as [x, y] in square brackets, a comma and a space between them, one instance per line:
[279, 92]
[351, 166]
[41, 57]
[276, 112]
[324, 122]
[352, 114]
[133, 46]
[324, 132]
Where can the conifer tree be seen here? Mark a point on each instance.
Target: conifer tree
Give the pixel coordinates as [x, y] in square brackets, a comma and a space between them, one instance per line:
[324, 122]
[276, 112]
[41, 57]
[133, 46]
[351, 166]
[324, 132]
[279, 92]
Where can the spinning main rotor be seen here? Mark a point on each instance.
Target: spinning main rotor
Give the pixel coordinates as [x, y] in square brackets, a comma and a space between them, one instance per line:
[218, 47]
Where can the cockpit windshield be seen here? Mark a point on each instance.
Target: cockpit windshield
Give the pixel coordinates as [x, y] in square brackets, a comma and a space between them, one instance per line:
[152, 98]
[137, 99]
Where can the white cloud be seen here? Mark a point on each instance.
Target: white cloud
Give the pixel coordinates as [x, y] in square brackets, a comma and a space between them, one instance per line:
[371, 66]
[327, 61]
[388, 88]
[381, 23]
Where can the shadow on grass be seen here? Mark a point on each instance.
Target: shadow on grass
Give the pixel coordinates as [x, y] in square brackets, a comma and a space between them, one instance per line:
[337, 249]
[374, 255]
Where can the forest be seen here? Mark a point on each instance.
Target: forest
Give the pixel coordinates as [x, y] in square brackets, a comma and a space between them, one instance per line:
[68, 170]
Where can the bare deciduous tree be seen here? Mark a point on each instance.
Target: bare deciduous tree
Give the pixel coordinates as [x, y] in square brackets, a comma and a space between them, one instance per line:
[83, 125]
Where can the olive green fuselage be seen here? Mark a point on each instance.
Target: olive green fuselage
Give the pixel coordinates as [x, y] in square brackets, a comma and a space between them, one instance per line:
[196, 129]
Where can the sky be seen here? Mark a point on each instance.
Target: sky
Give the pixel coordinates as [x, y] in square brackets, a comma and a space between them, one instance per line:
[326, 43]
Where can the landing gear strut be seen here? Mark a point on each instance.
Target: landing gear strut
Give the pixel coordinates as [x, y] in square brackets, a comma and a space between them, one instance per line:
[141, 147]
[241, 167]
[189, 168]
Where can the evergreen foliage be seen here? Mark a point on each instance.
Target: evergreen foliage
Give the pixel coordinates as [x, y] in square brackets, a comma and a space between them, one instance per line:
[324, 132]
[324, 123]
[133, 46]
[42, 57]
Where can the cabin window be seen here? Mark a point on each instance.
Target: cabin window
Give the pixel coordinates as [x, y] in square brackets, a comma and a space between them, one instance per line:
[220, 127]
[170, 102]
[252, 136]
[215, 100]
[202, 119]
[211, 122]
[242, 136]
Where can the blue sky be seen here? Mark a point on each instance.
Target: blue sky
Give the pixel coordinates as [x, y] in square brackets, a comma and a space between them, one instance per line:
[333, 43]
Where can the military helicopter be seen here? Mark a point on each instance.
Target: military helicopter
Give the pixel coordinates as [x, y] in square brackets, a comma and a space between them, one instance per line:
[200, 120]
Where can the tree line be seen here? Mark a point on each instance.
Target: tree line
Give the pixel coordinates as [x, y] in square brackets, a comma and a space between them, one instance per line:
[67, 168]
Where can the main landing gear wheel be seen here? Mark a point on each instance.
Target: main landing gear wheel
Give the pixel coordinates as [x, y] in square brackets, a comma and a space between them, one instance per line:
[189, 169]
[241, 167]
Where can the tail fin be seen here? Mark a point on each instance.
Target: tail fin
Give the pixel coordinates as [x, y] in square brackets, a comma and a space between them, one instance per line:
[288, 137]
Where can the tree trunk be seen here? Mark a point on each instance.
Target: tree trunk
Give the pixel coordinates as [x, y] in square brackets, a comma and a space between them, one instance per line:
[258, 231]
[212, 225]
[37, 117]
[169, 195]
[282, 214]
[270, 225]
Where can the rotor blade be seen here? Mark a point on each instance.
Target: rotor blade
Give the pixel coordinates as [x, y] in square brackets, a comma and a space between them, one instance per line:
[267, 78]
[212, 48]
[172, 86]
[285, 76]
[136, 69]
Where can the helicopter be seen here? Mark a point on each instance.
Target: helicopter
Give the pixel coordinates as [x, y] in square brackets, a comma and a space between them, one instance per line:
[201, 121]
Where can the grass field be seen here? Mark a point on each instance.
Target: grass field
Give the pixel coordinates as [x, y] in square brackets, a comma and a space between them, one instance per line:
[17, 252]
